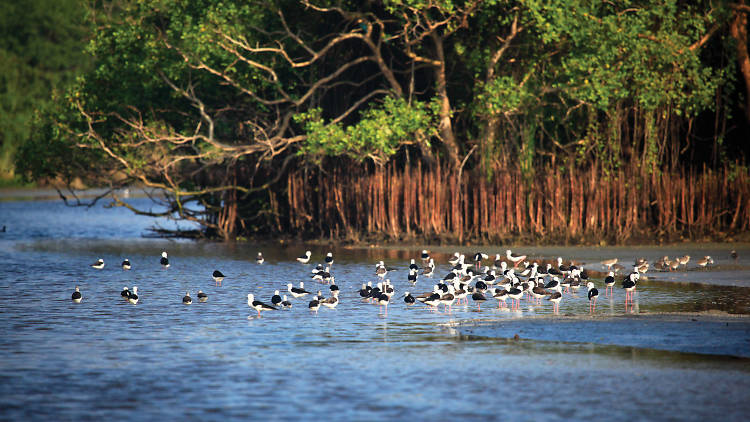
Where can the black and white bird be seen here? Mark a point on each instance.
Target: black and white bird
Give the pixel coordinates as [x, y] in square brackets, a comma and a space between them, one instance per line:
[125, 293]
[258, 305]
[98, 265]
[478, 257]
[314, 305]
[329, 259]
[125, 264]
[609, 283]
[334, 289]
[413, 277]
[77, 296]
[409, 299]
[593, 294]
[133, 298]
[479, 298]
[733, 255]
[259, 259]
[276, 298]
[555, 298]
[297, 292]
[218, 277]
[164, 261]
[202, 296]
[187, 300]
[425, 256]
[305, 258]
[286, 303]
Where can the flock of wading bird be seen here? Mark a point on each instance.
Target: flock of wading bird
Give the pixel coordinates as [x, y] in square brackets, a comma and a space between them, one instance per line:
[511, 277]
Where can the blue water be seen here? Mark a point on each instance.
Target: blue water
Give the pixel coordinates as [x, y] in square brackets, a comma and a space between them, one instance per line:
[105, 359]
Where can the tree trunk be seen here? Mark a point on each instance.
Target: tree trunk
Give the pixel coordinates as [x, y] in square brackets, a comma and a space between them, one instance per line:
[739, 32]
[446, 126]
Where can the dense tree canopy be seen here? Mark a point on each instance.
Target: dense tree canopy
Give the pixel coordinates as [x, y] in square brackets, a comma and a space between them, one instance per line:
[213, 101]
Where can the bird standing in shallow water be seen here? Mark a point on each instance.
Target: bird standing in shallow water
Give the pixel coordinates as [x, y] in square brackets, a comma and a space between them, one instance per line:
[609, 283]
[125, 293]
[77, 296]
[734, 255]
[202, 296]
[125, 264]
[218, 277]
[187, 300]
[259, 259]
[592, 295]
[164, 261]
[258, 305]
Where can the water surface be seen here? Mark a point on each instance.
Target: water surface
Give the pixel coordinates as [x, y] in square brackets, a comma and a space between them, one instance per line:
[108, 359]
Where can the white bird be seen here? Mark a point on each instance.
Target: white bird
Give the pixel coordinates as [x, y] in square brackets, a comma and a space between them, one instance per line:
[305, 258]
[259, 259]
[517, 259]
[99, 264]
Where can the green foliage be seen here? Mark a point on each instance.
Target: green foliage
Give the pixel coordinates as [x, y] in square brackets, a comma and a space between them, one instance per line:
[41, 51]
[379, 133]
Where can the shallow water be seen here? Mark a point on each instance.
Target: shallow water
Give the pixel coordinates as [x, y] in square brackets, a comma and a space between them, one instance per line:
[108, 359]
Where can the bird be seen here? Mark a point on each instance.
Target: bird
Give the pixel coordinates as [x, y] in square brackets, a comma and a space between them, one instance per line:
[501, 295]
[413, 266]
[125, 293]
[425, 256]
[409, 299]
[334, 289]
[218, 277]
[555, 298]
[413, 277]
[314, 305]
[276, 298]
[305, 258]
[478, 257]
[733, 254]
[297, 291]
[705, 261]
[187, 300]
[330, 302]
[164, 261]
[517, 259]
[259, 259]
[133, 298]
[286, 303]
[125, 264]
[258, 305]
[593, 294]
[515, 294]
[202, 296]
[77, 296]
[478, 298]
[609, 263]
[329, 259]
[98, 265]
[629, 285]
[609, 282]
[383, 300]
[682, 260]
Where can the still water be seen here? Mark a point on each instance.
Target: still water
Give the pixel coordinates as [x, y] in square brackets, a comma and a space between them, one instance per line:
[106, 359]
